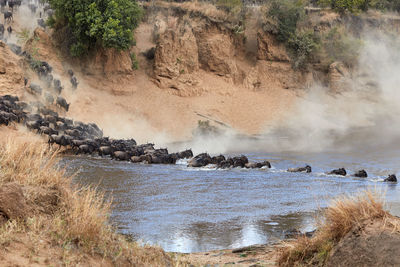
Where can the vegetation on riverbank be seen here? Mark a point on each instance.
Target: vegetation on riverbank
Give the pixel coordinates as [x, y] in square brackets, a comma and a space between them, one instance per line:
[346, 214]
[96, 23]
[54, 222]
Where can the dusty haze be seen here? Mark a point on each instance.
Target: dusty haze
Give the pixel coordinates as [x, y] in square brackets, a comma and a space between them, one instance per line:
[130, 105]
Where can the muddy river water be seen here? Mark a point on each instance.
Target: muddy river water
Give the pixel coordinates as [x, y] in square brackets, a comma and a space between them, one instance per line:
[189, 210]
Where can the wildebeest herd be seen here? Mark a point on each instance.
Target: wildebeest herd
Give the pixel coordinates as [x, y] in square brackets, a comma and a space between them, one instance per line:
[87, 138]
[8, 7]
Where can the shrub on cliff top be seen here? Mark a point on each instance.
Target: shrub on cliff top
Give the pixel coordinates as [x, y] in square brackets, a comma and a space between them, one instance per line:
[352, 6]
[94, 23]
[286, 14]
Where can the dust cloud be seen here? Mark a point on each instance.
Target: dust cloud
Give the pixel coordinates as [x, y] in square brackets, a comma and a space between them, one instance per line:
[364, 115]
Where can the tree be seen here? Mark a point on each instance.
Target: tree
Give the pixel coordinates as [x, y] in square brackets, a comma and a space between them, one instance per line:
[353, 6]
[105, 23]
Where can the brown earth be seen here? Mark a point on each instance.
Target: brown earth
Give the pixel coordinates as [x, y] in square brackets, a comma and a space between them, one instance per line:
[257, 255]
[371, 244]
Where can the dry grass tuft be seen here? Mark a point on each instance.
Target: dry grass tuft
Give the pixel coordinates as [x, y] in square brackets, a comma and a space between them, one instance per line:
[343, 215]
[71, 217]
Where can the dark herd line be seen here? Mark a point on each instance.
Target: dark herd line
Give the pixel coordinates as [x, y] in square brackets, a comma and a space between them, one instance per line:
[87, 138]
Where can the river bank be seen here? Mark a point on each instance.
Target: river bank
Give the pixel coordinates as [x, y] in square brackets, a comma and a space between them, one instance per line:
[47, 220]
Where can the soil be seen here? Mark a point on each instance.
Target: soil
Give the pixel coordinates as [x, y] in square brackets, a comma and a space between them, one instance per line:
[256, 255]
[373, 244]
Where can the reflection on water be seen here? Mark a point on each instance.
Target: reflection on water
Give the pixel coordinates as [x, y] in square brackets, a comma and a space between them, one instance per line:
[188, 210]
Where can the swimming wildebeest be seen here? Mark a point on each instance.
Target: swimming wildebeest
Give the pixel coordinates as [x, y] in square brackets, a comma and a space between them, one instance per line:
[307, 169]
[341, 172]
[8, 16]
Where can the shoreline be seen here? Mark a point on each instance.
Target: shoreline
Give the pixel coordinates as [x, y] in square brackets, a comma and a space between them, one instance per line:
[254, 255]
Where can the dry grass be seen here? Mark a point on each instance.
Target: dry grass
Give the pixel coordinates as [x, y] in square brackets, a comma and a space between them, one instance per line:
[343, 215]
[203, 8]
[78, 218]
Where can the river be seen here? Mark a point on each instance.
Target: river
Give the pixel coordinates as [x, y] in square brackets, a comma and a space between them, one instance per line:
[191, 210]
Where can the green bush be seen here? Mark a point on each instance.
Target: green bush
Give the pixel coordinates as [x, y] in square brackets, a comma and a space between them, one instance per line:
[231, 6]
[303, 45]
[338, 45]
[105, 23]
[286, 14]
[135, 62]
[391, 5]
[352, 6]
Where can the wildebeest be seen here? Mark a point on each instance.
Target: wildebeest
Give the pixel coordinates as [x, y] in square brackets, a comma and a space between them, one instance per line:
[391, 178]
[8, 16]
[17, 3]
[341, 172]
[41, 22]
[11, 4]
[259, 165]
[307, 169]
[49, 98]
[33, 8]
[9, 30]
[3, 3]
[74, 82]
[35, 89]
[105, 150]
[62, 103]
[57, 86]
[16, 49]
[121, 155]
[1, 31]
[200, 160]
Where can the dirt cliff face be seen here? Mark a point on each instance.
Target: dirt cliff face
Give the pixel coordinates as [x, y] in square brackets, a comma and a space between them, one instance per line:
[185, 48]
[11, 72]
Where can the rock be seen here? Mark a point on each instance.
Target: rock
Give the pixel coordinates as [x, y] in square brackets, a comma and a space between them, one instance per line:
[176, 53]
[216, 54]
[391, 178]
[269, 48]
[340, 171]
[361, 174]
[338, 77]
[12, 201]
